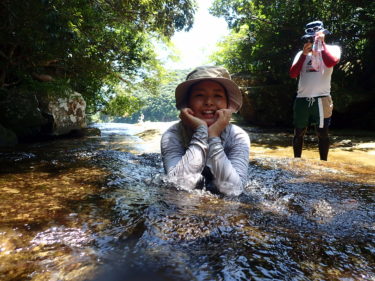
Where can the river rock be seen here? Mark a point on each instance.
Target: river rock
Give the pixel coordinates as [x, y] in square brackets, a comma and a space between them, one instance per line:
[19, 112]
[265, 103]
[7, 137]
[344, 143]
[66, 114]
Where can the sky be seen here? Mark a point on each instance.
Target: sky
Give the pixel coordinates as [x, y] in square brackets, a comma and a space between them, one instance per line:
[199, 42]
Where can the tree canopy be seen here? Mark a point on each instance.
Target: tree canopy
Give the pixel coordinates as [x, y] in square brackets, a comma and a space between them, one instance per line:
[87, 46]
[266, 36]
[151, 104]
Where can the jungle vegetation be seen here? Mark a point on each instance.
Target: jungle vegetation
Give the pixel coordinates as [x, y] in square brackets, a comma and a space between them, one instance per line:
[266, 35]
[105, 50]
[98, 48]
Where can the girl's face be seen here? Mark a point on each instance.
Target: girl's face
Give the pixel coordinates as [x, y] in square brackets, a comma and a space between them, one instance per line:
[206, 97]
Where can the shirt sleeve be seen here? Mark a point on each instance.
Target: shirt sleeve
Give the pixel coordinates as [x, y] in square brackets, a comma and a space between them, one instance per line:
[331, 55]
[296, 67]
[230, 168]
[184, 166]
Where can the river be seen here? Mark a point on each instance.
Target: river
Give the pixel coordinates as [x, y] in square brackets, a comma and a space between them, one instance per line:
[98, 208]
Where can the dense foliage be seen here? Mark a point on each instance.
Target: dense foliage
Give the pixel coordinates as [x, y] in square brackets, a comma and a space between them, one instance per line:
[158, 105]
[87, 46]
[266, 35]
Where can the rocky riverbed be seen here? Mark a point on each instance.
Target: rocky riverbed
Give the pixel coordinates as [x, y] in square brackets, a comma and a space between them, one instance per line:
[97, 208]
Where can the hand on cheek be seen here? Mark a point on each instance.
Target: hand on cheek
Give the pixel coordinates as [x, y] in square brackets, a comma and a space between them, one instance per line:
[187, 117]
[188, 111]
[223, 117]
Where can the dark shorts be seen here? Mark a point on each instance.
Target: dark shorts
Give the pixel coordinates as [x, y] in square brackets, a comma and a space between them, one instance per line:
[312, 111]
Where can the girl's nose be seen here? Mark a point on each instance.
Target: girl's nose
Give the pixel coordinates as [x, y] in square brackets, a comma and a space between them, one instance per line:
[208, 101]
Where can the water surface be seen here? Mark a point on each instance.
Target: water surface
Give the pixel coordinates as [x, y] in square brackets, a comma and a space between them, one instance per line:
[98, 208]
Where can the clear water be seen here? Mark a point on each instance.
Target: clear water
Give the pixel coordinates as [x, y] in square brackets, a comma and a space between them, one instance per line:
[97, 208]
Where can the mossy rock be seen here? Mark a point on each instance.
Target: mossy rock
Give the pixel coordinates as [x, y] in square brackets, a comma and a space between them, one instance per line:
[19, 112]
[268, 106]
[7, 137]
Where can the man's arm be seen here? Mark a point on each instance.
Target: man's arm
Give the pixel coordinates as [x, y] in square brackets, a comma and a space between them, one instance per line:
[330, 56]
[299, 60]
[297, 66]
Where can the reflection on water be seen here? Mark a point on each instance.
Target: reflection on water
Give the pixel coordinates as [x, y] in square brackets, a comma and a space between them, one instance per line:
[96, 208]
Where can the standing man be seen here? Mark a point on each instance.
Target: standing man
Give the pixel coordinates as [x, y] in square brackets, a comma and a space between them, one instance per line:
[313, 104]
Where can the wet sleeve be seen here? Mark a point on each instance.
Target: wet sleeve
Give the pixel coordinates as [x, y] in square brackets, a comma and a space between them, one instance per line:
[229, 169]
[184, 166]
[297, 65]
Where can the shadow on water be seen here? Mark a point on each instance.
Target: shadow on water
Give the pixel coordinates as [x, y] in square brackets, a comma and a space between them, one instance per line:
[96, 208]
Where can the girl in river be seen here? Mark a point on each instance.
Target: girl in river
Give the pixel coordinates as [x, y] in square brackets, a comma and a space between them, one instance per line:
[204, 149]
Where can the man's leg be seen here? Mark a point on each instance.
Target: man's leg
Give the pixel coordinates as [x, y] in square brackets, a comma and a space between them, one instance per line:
[323, 138]
[300, 121]
[325, 110]
[298, 141]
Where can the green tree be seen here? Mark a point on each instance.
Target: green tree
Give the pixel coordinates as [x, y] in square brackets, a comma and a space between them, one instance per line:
[88, 46]
[158, 104]
[266, 35]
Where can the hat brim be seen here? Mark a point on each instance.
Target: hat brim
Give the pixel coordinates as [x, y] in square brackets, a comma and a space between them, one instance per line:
[312, 34]
[232, 90]
[308, 35]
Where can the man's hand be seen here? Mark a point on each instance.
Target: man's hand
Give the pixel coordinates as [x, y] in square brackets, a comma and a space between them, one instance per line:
[307, 47]
[320, 35]
[187, 117]
[223, 117]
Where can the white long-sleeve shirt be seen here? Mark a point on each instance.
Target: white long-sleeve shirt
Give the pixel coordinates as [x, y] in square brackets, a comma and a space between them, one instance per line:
[314, 83]
[185, 156]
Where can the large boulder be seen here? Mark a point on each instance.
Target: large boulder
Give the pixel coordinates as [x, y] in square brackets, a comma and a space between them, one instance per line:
[20, 113]
[268, 106]
[264, 104]
[27, 117]
[66, 114]
[7, 137]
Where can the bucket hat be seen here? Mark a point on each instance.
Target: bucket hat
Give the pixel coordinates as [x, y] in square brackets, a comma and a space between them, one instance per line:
[313, 27]
[215, 73]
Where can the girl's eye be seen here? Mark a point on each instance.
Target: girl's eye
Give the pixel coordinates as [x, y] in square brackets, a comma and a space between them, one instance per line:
[198, 95]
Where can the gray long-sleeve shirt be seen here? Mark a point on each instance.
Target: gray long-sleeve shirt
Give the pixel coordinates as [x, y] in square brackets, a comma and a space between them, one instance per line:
[227, 157]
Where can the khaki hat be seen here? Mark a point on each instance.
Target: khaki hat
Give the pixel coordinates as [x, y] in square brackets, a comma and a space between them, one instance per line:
[215, 73]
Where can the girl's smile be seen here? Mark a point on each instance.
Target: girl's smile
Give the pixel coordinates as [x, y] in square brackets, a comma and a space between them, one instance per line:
[206, 98]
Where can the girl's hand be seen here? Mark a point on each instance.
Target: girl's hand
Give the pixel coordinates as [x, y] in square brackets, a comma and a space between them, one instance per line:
[223, 117]
[188, 119]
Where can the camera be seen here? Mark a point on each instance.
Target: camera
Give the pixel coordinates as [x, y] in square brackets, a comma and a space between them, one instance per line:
[309, 39]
